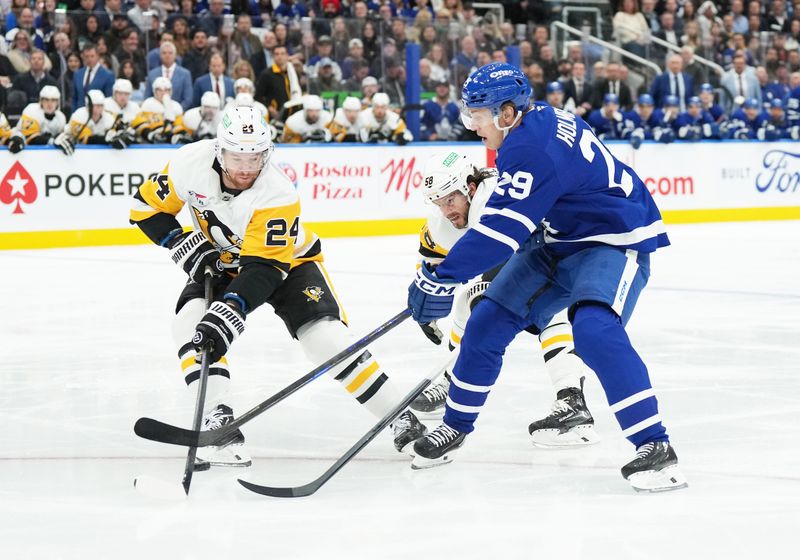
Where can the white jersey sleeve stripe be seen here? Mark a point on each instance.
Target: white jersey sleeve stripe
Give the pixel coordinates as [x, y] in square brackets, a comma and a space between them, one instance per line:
[508, 213]
[628, 238]
[497, 236]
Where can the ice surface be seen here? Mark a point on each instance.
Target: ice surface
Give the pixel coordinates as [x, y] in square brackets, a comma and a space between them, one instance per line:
[86, 349]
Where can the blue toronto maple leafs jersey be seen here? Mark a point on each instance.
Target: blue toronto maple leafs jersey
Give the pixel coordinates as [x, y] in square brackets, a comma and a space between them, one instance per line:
[555, 172]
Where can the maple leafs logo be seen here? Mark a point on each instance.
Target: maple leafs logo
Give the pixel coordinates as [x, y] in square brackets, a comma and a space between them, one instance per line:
[18, 186]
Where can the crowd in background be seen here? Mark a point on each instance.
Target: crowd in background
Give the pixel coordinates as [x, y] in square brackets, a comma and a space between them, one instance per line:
[335, 70]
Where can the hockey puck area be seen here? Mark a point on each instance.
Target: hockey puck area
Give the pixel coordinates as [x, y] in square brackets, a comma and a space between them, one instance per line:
[158, 489]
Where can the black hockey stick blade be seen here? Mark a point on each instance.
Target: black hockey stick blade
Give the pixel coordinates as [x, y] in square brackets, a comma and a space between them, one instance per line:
[313, 486]
[155, 430]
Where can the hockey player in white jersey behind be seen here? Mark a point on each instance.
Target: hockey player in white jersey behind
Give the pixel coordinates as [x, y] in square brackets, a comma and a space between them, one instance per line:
[312, 124]
[378, 124]
[42, 124]
[159, 115]
[123, 111]
[90, 124]
[247, 226]
[345, 121]
[200, 123]
[576, 227]
[459, 191]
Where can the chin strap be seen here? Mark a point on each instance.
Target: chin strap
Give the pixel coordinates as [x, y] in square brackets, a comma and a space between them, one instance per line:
[506, 129]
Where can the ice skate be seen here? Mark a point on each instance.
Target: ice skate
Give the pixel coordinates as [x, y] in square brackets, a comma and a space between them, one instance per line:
[231, 452]
[569, 424]
[407, 429]
[430, 404]
[437, 448]
[655, 469]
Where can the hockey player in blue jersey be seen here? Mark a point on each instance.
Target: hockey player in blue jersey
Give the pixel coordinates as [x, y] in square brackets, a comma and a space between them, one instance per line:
[696, 124]
[440, 117]
[577, 227]
[608, 122]
[747, 121]
[555, 97]
[665, 117]
[792, 106]
[713, 109]
[776, 125]
[643, 118]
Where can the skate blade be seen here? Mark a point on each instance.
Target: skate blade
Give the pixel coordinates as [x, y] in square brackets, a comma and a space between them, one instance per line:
[420, 463]
[668, 478]
[229, 456]
[579, 436]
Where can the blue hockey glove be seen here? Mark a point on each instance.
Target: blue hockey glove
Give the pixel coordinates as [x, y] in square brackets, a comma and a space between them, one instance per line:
[429, 297]
[636, 138]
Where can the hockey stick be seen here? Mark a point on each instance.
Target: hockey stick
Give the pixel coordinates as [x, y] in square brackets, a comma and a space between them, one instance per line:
[314, 485]
[188, 469]
[154, 430]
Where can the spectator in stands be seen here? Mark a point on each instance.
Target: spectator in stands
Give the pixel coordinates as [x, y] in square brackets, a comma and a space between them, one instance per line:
[439, 67]
[136, 14]
[109, 9]
[211, 19]
[673, 82]
[578, 89]
[179, 77]
[154, 55]
[425, 81]
[58, 56]
[289, 9]
[737, 14]
[360, 71]
[242, 69]
[187, 14]
[650, 16]
[32, 81]
[325, 79]
[215, 81]
[631, 81]
[691, 66]
[246, 41]
[197, 59]
[369, 37]
[180, 36]
[667, 32]
[324, 50]
[612, 83]
[25, 22]
[262, 59]
[119, 24]
[536, 79]
[526, 53]
[128, 71]
[106, 58]
[706, 17]
[393, 82]
[369, 87]
[598, 71]
[465, 60]
[691, 36]
[130, 50]
[689, 14]
[273, 88]
[341, 39]
[630, 28]
[777, 18]
[92, 76]
[19, 55]
[740, 83]
[355, 51]
[91, 31]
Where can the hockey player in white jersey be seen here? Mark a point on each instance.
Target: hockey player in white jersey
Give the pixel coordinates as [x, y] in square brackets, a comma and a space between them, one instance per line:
[5, 129]
[42, 123]
[245, 86]
[378, 124]
[123, 111]
[200, 123]
[312, 124]
[247, 225]
[159, 115]
[345, 126]
[90, 124]
[459, 191]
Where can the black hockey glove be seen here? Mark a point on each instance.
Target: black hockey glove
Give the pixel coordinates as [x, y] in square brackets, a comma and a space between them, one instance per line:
[193, 252]
[431, 330]
[16, 143]
[220, 326]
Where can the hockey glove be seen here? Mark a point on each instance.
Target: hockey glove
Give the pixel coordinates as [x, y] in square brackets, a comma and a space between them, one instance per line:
[16, 143]
[431, 330]
[429, 297]
[636, 138]
[65, 143]
[119, 139]
[193, 252]
[219, 327]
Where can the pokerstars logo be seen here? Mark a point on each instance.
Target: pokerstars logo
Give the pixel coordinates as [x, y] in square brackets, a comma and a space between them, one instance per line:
[17, 186]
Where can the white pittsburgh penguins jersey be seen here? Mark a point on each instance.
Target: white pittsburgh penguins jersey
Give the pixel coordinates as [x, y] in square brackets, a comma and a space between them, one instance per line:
[127, 114]
[257, 105]
[341, 120]
[171, 110]
[81, 127]
[391, 125]
[197, 126]
[262, 221]
[439, 235]
[298, 129]
[33, 122]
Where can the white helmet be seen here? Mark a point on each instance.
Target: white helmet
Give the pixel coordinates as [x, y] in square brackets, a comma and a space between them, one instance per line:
[210, 99]
[447, 173]
[96, 97]
[380, 99]
[351, 104]
[123, 86]
[244, 83]
[50, 92]
[243, 130]
[312, 102]
[162, 83]
[245, 99]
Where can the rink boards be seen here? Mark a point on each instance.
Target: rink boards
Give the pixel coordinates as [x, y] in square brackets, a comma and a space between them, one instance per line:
[50, 200]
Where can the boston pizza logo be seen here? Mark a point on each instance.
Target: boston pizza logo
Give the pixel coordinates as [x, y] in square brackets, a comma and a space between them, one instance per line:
[289, 171]
[17, 186]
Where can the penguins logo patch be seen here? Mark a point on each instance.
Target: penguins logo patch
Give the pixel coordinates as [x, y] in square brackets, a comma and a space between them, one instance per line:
[313, 293]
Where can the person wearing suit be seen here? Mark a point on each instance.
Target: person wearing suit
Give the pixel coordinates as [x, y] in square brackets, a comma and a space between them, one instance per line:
[180, 77]
[579, 89]
[215, 81]
[33, 81]
[93, 75]
[612, 83]
[673, 82]
[739, 82]
[262, 59]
